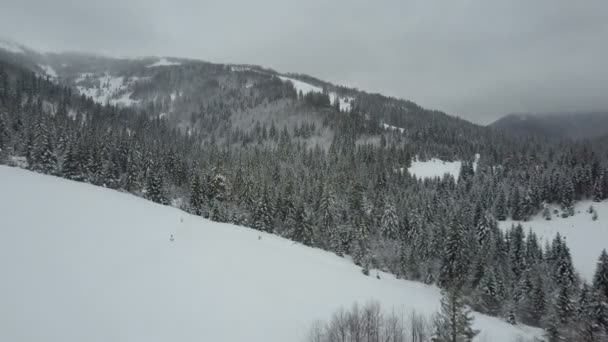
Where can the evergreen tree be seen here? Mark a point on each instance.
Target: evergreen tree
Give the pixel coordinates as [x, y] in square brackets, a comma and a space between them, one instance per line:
[43, 158]
[71, 165]
[454, 323]
[196, 195]
[600, 279]
[454, 262]
[300, 227]
[262, 219]
[389, 221]
[155, 188]
[500, 209]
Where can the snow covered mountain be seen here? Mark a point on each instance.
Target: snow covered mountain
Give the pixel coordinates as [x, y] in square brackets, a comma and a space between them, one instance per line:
[83, 263]
[581, 125]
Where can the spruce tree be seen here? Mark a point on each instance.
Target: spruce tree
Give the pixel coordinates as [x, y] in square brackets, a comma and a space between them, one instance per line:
[196, 195]
[454, 322]
[155, 188]
[389, 221]
[600, 279]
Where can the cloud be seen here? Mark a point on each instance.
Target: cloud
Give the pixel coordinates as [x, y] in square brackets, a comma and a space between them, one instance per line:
[477, 59]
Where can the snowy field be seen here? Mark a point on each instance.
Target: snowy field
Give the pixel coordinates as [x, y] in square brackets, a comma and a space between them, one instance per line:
[83, 263]
[585, 237]
[437, 168]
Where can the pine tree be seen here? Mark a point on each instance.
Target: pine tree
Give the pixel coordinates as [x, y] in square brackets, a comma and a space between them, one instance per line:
[389, 221]
[600, 279]
[326, 218]
[300, 227]
[564, 305]
[196, 195]
[454, 262]
[454, 323]
[500, 209]
[598, 192]
[71, 165]
[43, 158]
[262, 219]
[4, 139]
[539, 301]
[553, 332]
[155, 188]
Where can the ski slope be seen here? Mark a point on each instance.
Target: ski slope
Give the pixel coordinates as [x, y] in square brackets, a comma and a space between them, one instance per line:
[585, 238]
[83, 263]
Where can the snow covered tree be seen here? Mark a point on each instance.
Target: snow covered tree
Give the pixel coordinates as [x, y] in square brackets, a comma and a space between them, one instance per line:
[598, 191]
[43, 158]
[389, 221]
[218, 186]
[326, 217]
[300, 228]
[70, 168]
[600, 279]
[500, 209]
[454, 322]
[454, 261]
[262, 219]
[155, 188]
[196, 195]
[564, 305]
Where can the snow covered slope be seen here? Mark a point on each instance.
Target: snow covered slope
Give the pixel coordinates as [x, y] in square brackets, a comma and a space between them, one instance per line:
[305, 88]
[585, 237]
[82, 263]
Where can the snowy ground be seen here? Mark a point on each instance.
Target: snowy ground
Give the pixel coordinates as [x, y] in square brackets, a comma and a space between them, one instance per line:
[82, 263]
[437, 168]
[585, 237]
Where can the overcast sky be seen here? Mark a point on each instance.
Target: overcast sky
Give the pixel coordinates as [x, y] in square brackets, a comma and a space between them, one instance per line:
[477, 59]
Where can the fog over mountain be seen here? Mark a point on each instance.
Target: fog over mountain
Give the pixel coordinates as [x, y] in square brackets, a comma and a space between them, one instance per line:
[474, 59]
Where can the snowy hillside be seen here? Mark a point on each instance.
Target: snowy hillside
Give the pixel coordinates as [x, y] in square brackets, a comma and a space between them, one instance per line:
[82, 263]
[585, 237]
[305, 88]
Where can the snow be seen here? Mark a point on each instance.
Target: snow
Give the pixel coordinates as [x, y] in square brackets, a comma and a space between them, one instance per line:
[10, 46]
[83, 76]
[163, 62]
[437, 168]
[107, 89]
[392, 128]
[48, 70]
[585, 238]
[84, 263]
[239, 69]
[305, 88]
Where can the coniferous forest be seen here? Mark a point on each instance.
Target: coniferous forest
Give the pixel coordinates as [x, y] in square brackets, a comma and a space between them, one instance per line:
[337, 181]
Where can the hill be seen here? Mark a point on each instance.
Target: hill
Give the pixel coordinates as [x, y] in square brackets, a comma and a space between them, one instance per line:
[99, 265]
[584, 125]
